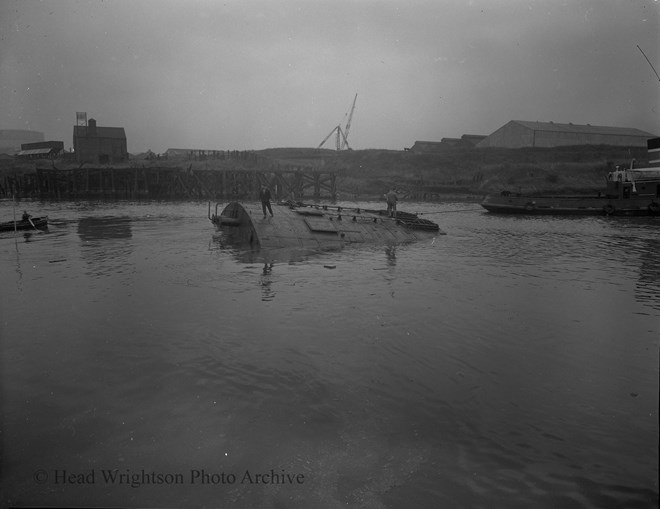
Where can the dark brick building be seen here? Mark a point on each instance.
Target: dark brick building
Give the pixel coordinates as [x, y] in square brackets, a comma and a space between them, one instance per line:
[94, 144]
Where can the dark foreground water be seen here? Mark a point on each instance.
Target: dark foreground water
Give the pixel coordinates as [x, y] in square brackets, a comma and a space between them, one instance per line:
[512, 363]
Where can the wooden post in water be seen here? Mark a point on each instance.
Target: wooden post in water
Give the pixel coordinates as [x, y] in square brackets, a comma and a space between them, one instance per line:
[333, 186]
[146, 180]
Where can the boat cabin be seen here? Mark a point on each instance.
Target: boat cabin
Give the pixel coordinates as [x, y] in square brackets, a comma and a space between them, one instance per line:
[633, 183]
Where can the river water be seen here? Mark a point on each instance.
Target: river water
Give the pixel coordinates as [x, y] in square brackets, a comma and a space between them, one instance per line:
[510, 363]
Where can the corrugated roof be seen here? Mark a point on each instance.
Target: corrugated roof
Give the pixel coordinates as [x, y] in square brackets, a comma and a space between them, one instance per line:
[101, 132]
[34, 151]
[582, 129]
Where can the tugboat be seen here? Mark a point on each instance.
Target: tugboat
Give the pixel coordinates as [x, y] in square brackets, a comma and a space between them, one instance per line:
[318, 227]
[628, 192]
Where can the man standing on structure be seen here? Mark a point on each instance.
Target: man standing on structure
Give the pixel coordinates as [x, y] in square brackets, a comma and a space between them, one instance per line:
[264, 196]
[392, 198]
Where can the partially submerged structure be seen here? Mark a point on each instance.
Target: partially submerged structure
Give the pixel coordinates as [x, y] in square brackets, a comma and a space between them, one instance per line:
[317, 227]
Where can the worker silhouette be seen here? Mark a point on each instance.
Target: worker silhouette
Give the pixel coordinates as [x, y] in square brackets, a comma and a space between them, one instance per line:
[264, 196]
[391, 198]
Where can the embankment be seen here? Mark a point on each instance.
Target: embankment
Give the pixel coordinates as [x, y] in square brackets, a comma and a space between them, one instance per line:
[364, 174]
[470, 172]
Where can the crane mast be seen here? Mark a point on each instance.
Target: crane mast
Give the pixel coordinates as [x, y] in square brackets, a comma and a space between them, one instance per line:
[341, 135]
[348, 124]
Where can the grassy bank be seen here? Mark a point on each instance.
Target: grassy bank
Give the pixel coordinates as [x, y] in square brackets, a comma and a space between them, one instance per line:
[470, 172]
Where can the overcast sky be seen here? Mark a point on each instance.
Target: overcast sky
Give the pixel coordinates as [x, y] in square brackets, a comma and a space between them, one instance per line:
[257, 74]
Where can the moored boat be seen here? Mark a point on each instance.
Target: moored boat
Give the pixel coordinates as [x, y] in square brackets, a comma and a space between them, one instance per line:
[628, 192]
[25, 224]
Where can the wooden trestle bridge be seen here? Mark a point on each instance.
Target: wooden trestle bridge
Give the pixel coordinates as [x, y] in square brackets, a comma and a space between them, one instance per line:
[170, 183]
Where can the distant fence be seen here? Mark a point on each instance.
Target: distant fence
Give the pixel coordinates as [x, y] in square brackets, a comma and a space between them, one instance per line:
[169, 183]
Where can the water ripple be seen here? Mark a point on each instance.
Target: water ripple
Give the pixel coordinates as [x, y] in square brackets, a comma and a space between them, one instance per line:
[508, 363]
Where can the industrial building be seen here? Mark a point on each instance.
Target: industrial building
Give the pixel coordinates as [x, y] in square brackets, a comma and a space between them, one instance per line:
[12, 139]
[430, 147]
[521, 133]
[41, 150]
[653, 147]
[95, 144]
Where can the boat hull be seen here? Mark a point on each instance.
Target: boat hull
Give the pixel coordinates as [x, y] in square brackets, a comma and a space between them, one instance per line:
[571, 205]
[37, 222]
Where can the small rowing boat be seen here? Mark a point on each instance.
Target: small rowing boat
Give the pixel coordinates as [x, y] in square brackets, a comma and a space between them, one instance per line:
[25, 224]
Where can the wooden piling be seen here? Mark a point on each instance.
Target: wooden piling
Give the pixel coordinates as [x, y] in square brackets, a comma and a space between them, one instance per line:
[171, 183]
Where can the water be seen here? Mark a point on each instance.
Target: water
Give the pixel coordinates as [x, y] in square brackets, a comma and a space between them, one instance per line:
[511, 363]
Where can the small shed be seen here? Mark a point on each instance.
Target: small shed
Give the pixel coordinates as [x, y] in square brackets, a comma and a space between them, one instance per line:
[36, 153]
[430, 147]
[41, 150]
[471, 140]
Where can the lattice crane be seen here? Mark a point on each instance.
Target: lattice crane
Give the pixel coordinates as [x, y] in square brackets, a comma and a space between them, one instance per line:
[341, 136]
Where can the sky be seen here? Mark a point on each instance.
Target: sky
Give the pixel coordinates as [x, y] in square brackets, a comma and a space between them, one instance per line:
[250, 75]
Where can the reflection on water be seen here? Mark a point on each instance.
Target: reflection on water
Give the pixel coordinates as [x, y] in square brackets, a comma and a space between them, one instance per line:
[105, 244]
[19, 271]
[648, 282]
[510, 363]
[266, 281]
[390, 252]
[102, 228]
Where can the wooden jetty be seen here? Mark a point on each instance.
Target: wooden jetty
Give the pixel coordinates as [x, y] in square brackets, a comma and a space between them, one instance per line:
[317, 227]
[170, 183]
